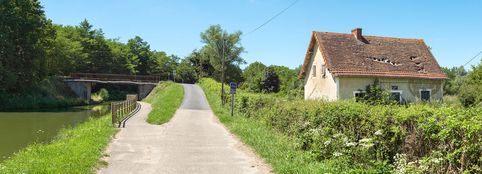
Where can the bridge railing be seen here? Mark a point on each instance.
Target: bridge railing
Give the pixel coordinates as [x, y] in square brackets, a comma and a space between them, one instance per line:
[116, 77]
[123, 110]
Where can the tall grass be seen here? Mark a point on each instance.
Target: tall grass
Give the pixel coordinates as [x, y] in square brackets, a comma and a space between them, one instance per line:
[164, 99]
[75, 150]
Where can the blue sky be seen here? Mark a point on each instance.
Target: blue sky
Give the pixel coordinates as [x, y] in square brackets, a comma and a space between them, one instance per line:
[453, 29]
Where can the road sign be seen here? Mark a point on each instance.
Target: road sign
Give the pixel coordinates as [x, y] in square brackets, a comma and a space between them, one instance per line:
[232, 86]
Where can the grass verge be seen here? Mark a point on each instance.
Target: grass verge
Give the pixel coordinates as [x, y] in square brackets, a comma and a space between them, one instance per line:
[165, 99]
[75, 150]
[275, 148]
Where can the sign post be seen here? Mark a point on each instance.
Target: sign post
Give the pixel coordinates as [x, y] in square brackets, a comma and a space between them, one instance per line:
[232, 86]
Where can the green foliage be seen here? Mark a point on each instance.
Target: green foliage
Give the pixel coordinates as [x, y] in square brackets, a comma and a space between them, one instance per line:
[270, 82]
[470, 92]
[353, 137]
[221, 46]
[25, 35]
[100, 96]
[253, 75]
[186, 72]
[165, 99]
[75, 150]
[456, 77]
[375, 94]
[289, 85]
[49, 93]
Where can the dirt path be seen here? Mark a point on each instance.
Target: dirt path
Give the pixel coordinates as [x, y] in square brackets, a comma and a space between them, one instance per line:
[192, 142]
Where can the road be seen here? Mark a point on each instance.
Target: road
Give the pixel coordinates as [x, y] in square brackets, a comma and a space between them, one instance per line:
[193, 141]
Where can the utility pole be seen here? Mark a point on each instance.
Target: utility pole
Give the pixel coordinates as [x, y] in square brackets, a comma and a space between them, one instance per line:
[222, 72]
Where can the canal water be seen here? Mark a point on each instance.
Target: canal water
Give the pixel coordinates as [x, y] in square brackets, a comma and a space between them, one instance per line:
[19, 129]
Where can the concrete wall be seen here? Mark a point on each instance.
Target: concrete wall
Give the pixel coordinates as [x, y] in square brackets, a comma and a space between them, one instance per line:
[318, 87]
[410, 88]
[81, 89]
[144, 90]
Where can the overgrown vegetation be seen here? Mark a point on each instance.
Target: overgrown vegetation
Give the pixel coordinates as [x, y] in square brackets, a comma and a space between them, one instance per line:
[282, 80]
[75, 150]
[465, 85]
[164, 99]
[49, 93]
[347, 136]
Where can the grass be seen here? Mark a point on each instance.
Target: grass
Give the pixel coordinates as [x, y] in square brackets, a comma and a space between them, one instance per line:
[275, 148]
[75, 150]
[165, 99]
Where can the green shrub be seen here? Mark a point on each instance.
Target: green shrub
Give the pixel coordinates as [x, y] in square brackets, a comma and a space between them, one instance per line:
[355, 137]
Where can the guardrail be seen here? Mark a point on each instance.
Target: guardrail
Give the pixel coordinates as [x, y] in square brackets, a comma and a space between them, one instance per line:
[116, 77]
[123, 110]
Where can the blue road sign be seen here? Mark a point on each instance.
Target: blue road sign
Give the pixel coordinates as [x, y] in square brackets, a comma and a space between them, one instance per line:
[232, 86]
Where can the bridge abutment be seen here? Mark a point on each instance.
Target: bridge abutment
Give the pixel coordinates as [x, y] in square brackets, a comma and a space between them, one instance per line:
[144, 89]
[82, 89]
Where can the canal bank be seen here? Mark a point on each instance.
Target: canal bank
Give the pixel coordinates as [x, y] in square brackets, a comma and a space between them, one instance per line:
[72, 150]
[20, 129]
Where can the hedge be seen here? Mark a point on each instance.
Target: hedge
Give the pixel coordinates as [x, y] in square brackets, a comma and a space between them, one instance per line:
[415, 138]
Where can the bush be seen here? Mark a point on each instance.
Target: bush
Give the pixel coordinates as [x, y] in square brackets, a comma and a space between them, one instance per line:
[351, 136]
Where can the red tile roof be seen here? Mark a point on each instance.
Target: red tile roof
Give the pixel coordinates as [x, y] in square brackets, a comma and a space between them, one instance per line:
[373, 56]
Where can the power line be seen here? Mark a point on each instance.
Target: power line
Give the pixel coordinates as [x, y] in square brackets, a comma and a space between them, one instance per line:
[473, 58]
[275, 16]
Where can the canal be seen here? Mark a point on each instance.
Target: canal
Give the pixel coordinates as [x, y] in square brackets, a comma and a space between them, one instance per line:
[19, 129]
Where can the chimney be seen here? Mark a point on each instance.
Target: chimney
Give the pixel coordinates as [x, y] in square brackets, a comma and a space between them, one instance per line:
[357, 32]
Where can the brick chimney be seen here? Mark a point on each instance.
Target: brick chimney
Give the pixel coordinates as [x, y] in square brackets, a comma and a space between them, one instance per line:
[357, 32]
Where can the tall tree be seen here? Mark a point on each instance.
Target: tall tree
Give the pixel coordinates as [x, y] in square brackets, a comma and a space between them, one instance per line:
[141, 53]
[253, 75]
[470, 92]
[223, 50]
[271, 81]
[95, 46]
[456, 77]
[25, 33]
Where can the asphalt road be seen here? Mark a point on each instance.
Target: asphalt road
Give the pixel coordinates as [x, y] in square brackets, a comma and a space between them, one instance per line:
[192, 142]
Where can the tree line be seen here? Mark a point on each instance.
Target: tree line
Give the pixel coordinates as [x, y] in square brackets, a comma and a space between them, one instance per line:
[467, 86]
[33, 48]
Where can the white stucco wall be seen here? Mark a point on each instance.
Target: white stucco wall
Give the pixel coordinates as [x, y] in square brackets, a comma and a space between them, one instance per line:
[319, 87]
[410, 88]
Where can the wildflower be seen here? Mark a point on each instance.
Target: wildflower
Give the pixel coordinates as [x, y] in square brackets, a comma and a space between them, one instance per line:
[365, 140]
[327, 142]
[337, 154]
[379, 132]
[351, 144]
[367, 145]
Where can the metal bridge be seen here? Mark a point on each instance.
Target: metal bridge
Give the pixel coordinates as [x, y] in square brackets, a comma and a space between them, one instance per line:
[81, 83]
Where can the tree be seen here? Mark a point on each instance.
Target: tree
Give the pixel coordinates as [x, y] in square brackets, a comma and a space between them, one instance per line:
[25, 34]
[223, 50]
[470, 92]
[99, 55]
[141, 54]
[201, 63]
[270, 82]
[456, 78]
[186, 72]
[253, 75]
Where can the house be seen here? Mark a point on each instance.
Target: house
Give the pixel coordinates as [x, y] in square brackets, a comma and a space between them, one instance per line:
[341, 65]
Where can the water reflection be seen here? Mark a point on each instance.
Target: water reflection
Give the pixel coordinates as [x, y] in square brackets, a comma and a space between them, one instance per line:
[19, 129]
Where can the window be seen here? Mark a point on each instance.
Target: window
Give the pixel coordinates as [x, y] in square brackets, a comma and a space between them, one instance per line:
[396, 95]
[323, 71]
[425, 95]
[359, 95]
[314, 70]
[394, 87]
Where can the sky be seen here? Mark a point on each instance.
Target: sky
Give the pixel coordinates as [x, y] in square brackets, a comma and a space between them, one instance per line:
[453, 29]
